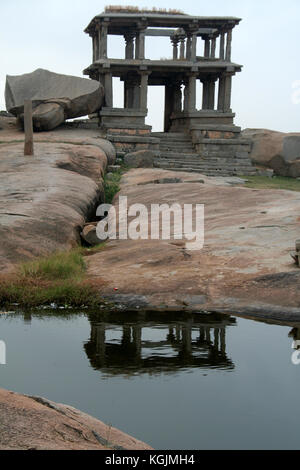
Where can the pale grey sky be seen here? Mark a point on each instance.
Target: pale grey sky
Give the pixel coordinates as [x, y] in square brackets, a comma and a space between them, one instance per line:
[49, 34]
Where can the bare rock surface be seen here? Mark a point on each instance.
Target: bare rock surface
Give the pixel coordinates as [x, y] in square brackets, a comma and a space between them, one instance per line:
[244, 268]
[33, 423]
[275, 150]
[46, 199]
[55, 97]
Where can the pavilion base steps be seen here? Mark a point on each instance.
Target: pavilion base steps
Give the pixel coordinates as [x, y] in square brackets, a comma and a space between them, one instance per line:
[177, 153]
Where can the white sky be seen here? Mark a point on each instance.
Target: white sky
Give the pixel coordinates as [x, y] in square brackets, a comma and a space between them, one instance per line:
[49, 34]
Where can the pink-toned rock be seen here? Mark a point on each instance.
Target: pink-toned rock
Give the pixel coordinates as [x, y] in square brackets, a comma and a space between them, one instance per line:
[45, 200]
[32, 423]
[245, 266]
[275, 150]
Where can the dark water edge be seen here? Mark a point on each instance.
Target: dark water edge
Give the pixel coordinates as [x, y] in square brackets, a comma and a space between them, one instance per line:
[173, 381]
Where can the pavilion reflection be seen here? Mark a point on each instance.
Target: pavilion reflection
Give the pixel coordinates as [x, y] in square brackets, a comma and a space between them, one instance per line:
[153, 347]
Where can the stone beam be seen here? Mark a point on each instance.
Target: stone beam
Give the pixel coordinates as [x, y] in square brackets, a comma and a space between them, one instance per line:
[160, 32]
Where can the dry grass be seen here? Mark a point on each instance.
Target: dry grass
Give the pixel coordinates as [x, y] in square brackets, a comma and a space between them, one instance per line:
[133, 9]
[58, 279]
[277, 182]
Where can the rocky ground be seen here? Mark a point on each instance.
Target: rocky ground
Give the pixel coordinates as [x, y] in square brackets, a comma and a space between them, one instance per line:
[244, 268]
[46, 199]
[32, 423]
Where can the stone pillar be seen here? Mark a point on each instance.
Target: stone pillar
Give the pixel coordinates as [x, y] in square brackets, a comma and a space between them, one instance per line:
[205, 96]
[207, 48]
[169, 105]
[192, 92]
[177, 97]
[194, 48]
[137, 45]
[223, 340]
[108, 86]
[144, 90]
[103, 41]
[213, 47]
[140, 45]
[129, 50]
[129, 93]
[222, 46]
[228, 46]
[221, 95]
[175, 41]
[188, 47]
[211, 93]
[186, 96]
[100, 339]
[182, 47]
[227, 93]
[137, 340]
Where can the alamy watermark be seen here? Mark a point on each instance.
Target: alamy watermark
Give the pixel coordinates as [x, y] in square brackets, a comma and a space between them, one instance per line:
[138, 222]
[2, 353]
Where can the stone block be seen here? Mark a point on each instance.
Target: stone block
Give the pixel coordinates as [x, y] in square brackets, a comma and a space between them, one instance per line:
[140, 159]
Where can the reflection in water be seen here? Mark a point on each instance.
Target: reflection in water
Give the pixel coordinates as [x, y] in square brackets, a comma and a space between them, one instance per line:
[295, 334]
[159, 346]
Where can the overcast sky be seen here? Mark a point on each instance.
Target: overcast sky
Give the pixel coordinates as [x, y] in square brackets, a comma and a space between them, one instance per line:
[49, 34]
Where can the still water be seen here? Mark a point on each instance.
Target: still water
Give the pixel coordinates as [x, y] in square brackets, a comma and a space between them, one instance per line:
[202, 382]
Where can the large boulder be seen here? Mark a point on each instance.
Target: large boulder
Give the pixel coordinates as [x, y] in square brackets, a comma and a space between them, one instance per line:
[55, 97]
[140, 159]
[275, 150]
[35, 423]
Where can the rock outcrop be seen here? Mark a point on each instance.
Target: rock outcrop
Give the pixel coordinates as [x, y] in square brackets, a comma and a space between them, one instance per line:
[45, 200]
[244, 268]
[33, 423]
[275, 150]
[55, 97]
